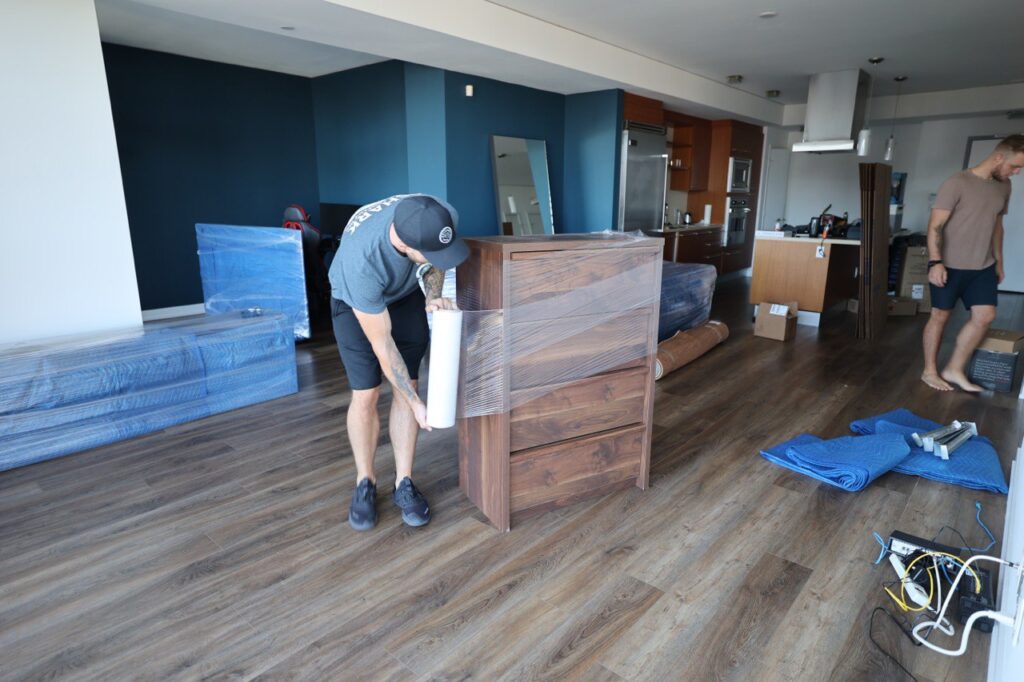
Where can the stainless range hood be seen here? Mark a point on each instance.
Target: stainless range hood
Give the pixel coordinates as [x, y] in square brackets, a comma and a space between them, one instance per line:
[836, 106]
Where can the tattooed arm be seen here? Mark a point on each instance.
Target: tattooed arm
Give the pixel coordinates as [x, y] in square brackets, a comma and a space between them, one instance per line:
[377, 327]
[937, 221]
[433, 284]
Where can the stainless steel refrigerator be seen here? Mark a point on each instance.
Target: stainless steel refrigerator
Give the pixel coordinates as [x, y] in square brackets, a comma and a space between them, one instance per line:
[642, 178]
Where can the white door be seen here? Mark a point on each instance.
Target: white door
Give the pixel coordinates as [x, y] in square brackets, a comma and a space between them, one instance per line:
[1013, 221]
[776, 181]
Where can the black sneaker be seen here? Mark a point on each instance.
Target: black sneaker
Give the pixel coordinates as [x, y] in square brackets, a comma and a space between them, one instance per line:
[362, 513]
[415, 511]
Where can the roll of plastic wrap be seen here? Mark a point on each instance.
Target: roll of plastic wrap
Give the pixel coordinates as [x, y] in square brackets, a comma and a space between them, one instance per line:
[707, 214]
[443, 386]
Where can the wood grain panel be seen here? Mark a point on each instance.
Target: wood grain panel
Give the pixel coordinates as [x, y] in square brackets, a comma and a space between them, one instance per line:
[642, 109]
[559, 472]
[568, 349]
[554, 285]
[577, 409]
[788, 271]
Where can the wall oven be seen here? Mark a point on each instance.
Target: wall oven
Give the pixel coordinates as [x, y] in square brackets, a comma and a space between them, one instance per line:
[737, 214]
[740, 171]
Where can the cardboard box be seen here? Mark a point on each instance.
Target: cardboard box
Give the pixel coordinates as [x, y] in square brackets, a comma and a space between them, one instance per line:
[902, 306]
[776, 320]
[914, 279]
[1003, 341]
[995, 370]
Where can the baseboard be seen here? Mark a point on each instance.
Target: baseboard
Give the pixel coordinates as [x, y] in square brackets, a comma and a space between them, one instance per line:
[173, 312]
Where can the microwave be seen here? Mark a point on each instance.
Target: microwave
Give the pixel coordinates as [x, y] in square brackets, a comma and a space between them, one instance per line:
[739, 174]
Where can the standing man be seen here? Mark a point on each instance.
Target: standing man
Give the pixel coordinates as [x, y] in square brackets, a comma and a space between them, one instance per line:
[965, 251]
[380, 324]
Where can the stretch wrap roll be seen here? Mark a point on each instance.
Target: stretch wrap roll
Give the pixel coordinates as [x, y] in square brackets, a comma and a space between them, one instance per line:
[443, 387]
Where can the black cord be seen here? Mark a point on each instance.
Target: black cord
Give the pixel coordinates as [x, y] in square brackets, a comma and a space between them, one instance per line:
[966, 545]
[871, 636]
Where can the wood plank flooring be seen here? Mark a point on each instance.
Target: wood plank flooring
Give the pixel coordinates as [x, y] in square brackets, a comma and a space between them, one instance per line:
[219, 548]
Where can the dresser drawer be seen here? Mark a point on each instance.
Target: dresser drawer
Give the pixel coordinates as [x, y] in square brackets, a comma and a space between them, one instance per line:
[560, 474]
[550, 414]
[555, 351]
[546, 285]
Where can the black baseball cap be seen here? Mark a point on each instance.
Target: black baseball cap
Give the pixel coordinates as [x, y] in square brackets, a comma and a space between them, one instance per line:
[424, 224]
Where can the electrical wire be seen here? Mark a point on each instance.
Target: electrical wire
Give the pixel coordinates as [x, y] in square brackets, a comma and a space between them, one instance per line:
[871, 636]
[966, 546]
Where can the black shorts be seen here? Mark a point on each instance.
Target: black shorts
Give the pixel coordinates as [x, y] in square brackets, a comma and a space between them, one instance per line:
[973, 287]
[408, 329]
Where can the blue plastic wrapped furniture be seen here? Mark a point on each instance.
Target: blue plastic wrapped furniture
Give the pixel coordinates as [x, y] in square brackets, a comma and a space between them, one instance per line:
[686, 293]
[253, 267]
[71, 394]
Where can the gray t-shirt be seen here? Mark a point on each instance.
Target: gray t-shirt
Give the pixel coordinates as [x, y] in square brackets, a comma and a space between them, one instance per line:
[367, 272]
[975, 204]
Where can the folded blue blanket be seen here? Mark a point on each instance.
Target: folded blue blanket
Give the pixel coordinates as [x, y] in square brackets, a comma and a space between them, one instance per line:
[850, 463]
[975, 464]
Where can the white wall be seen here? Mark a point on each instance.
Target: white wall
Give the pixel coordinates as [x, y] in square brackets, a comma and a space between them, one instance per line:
[1005, 660]
[928, 152]
[65, 253]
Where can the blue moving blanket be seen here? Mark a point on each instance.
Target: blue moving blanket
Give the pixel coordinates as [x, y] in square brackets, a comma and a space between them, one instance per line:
[850, 463]
[975, 464]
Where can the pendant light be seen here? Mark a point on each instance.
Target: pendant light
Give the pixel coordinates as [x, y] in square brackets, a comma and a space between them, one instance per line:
[864, 136]
[890, 144]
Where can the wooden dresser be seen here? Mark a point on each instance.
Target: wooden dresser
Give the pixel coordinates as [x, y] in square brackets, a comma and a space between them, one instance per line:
[577, 328]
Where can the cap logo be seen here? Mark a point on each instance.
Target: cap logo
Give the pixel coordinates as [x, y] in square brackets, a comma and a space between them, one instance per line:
[446, 235]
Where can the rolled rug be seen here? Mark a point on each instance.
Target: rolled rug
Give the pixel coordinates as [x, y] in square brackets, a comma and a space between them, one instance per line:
[686, 346]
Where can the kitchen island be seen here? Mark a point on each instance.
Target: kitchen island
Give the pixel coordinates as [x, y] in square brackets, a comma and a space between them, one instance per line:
[793, 269]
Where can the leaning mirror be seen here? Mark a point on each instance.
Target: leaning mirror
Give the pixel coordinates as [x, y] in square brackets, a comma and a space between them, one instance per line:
[521, 186]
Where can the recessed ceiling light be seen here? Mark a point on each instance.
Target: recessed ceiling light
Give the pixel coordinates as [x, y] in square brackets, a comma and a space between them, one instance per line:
[734, 79]
[876, 60]
[287, 28]
[772, 94]
[769, 14]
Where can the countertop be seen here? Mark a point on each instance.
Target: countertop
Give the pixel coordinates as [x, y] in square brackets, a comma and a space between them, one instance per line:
[691, 228]
[807, 240]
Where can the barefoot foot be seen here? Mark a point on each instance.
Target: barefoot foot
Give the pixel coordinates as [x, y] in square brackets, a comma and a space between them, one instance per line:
[960, 379]
[935, 381]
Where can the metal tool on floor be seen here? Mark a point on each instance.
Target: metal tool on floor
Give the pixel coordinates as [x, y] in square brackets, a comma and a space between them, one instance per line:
[927, 440]
[946, 448]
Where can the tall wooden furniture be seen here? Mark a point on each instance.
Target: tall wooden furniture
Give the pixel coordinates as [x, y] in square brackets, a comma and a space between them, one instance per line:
[578, 333]
[874, 253]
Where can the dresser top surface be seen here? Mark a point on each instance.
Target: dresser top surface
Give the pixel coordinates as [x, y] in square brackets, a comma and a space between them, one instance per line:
[559, 242]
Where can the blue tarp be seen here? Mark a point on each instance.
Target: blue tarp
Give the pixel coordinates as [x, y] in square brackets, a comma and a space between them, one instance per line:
[253, 267]
[853, 462]
[686, 293]
[68, 395]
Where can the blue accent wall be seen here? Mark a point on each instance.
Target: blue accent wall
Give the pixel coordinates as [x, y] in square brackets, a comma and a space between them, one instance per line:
[425, 130]
[593, 129]
[201, 141]
[495, 109]
[361, 146]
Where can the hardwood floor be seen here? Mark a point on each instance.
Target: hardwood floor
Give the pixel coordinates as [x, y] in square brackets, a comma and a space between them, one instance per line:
[219, 548]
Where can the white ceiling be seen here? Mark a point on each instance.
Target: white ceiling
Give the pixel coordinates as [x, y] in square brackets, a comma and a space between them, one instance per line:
[938, 44]
[649, 46]
[137, 24]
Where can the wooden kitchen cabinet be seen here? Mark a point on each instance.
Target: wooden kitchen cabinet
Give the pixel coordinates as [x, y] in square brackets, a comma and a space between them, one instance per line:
[642, 109]
[692, 144]
[700, 246]
[573, 323]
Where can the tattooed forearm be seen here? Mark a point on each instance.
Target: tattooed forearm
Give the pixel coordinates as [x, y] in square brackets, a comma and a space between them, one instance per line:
[433, 283]
[398, 374]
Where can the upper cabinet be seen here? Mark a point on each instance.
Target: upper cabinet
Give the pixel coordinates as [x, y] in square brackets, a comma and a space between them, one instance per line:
[642, 110]
[691, 152]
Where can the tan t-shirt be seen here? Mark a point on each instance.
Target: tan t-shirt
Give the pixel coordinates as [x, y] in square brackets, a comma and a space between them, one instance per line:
[975, 204]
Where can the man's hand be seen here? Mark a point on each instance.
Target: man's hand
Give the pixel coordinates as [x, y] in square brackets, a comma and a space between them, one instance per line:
[435, 304]
[937, 275]
[419, 410]
[999, 273]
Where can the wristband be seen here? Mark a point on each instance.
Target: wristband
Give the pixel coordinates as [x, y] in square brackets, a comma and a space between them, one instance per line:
[933, 262]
